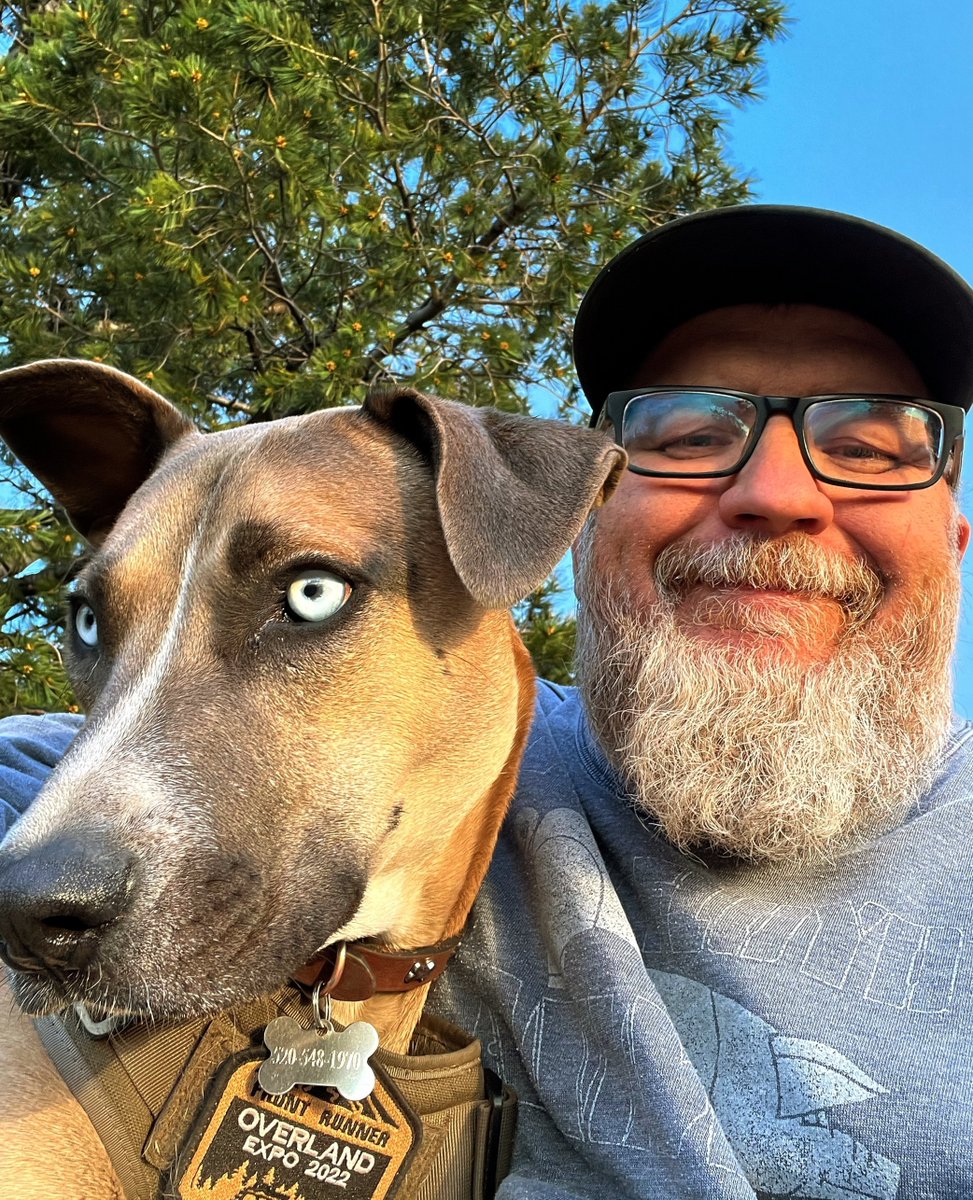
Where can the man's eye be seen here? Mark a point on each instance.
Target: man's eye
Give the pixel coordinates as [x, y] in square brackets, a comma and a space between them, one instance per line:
[868, 457]
[703, 440]
[685, 443]
[860, 451]
[316, 595]
[863, 438]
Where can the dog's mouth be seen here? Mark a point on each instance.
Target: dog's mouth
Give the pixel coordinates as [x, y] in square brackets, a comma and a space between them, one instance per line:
[57, 989]
[43, 993]
[77, 973]
[85, 921]
[49, 993]
[128, 978]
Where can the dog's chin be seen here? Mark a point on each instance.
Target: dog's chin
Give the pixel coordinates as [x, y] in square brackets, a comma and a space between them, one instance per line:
[128, 979]
[39, 995]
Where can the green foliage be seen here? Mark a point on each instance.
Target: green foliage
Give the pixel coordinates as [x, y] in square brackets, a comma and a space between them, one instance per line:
[263, 208]
[547, 634]
[37, 554]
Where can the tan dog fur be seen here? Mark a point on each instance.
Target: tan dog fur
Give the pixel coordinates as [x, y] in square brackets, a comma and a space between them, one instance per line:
[280, 786]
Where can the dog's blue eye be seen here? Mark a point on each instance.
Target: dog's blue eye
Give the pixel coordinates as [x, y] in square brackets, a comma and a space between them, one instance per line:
[86, 624]
[316, 595]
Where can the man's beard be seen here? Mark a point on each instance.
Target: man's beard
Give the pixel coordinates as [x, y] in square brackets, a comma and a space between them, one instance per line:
[766, 755]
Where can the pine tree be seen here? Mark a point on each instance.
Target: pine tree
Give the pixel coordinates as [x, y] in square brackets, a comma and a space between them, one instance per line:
[548, 634]
[264, 208]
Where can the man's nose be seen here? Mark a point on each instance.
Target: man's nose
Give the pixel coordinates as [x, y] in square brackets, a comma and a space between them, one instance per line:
[775, 493]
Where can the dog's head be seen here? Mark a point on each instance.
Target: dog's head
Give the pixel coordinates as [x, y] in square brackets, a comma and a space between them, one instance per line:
[300, 681]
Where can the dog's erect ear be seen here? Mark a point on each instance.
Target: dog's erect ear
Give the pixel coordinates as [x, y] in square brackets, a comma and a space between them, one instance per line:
[513, 491]
[90, 434]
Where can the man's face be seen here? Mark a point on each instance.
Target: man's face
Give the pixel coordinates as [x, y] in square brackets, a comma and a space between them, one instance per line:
[908, 538]
[770, 641]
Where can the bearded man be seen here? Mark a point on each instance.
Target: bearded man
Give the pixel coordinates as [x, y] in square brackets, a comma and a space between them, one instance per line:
[722, 950]
[730, 913]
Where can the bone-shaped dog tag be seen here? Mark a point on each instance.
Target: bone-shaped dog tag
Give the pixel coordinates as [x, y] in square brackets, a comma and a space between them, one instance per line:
[318, 1058]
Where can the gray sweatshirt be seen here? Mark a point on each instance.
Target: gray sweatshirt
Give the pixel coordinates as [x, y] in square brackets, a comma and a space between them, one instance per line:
[678, 1030]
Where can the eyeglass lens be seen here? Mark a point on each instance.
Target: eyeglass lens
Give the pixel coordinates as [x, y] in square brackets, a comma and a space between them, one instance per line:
[869, 439]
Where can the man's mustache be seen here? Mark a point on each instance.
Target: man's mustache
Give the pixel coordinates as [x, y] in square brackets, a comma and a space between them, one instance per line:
[795, 563]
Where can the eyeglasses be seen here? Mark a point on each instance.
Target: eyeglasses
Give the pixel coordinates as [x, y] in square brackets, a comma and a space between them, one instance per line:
[892, 443]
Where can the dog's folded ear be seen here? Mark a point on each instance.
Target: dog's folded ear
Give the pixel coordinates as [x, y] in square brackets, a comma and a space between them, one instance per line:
[90, 434]
[513, 492]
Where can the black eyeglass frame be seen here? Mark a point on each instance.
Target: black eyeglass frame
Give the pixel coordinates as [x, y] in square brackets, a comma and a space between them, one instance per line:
[951, 415]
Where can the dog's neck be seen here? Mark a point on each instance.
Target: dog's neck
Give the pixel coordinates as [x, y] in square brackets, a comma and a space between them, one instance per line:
[396, 1014]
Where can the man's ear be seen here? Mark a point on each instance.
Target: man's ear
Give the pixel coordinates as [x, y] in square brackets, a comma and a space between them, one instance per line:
[962, 534]
[92, 435]
[512, 491]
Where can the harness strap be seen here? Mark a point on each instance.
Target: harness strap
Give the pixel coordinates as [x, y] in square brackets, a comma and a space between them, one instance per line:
[122, 1108]
[142, 1087]
[467, 1116]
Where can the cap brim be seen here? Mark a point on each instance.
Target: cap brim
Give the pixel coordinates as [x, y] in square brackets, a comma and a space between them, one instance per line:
[767, 254]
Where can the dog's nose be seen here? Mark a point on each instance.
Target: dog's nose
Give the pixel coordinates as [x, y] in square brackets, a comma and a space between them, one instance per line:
[57, 901]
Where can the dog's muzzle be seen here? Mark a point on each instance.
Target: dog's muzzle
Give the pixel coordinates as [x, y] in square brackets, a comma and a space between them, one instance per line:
[57, 901]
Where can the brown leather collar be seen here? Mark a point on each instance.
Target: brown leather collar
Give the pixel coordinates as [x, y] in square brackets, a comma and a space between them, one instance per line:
[359, 970]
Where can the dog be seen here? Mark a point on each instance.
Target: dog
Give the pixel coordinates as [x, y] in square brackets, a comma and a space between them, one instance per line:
[307, 704]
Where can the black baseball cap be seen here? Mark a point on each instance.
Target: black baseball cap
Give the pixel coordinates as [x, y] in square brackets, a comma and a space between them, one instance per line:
[775, 254]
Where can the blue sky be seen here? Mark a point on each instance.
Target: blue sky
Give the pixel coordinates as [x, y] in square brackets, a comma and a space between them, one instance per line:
[868, 109]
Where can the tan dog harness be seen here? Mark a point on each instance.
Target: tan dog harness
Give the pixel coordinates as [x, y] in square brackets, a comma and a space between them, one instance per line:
[142, 1088]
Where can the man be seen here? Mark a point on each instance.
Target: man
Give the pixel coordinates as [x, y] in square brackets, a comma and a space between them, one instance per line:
[730, 914]
[721, 952]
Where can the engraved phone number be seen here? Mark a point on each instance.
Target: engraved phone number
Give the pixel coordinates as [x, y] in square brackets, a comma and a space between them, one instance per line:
[319, 1058]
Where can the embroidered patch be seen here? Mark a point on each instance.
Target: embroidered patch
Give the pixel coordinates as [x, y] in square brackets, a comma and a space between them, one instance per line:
[304, 1145]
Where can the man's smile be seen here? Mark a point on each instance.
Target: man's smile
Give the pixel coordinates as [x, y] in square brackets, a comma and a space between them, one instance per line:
[749, 616]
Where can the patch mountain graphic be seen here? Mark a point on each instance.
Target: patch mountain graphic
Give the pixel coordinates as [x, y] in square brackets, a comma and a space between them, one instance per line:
[229, 1172]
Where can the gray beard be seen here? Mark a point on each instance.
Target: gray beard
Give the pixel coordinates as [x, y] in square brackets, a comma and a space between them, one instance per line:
[765, 757]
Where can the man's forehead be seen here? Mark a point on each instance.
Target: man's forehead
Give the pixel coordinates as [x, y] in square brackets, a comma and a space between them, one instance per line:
[749, 345]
